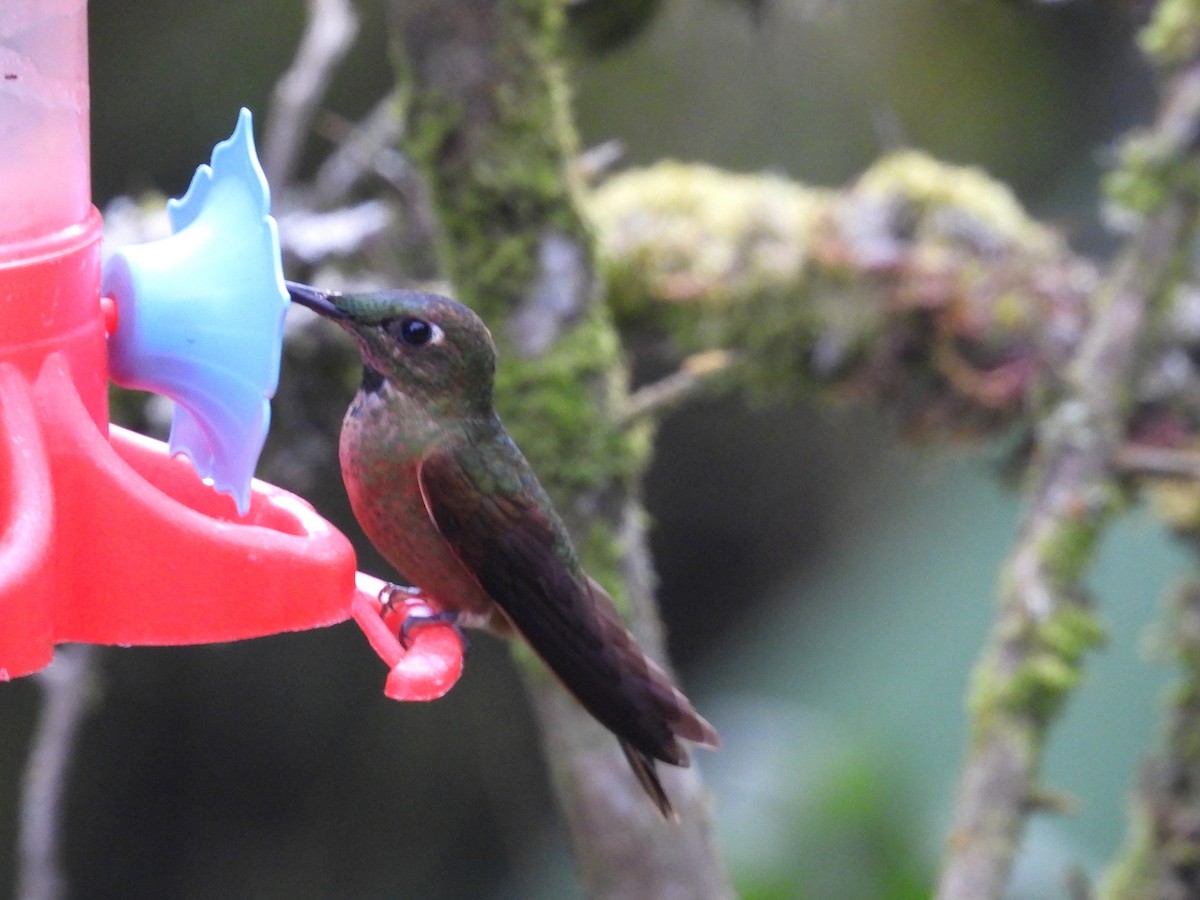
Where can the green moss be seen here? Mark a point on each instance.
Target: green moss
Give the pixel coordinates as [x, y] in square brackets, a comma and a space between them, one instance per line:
[1052, 666]
[798, 280]
[838, 316]
[630, 296]
[1075, 630]
[1153, 166]
[1014, 311]
[930, 185]
[1160, 844]
[1142, 182]
[1138, 190]
[679, 232]
[1172, 37]
[1067, 549]
[498, 174]
[569, 434]
[1134, 877]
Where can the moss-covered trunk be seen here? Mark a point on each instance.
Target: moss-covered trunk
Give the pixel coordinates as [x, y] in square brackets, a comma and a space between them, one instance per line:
[489, 127]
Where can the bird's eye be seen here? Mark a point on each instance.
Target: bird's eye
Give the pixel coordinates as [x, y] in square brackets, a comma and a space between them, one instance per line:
[413, 331]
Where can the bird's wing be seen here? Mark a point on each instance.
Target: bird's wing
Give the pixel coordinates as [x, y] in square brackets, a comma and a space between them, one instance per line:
[490, 508]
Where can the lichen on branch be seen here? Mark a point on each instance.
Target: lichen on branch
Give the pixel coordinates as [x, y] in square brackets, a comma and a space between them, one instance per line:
[488, 126]
[1159, 861]
[923, 287]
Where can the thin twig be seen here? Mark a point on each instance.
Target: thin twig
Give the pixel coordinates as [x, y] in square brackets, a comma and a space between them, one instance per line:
[315, 236]
[1158, 462]
[332, 27]
[698, 373]
[360, 149]
[598, 161]
[69, 688]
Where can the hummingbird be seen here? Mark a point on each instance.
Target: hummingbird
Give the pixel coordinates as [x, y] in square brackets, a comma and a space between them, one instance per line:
[445, 495]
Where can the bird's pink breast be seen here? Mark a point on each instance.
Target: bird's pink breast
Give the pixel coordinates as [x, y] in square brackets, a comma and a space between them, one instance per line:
[386, 498]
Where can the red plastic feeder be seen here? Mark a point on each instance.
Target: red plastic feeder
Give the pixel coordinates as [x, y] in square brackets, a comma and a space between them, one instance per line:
[104, 537]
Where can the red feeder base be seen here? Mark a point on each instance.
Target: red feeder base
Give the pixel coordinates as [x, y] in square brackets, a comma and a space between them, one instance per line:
[106, 539]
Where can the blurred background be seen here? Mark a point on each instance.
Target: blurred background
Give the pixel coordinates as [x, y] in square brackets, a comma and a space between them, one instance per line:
[826, 589]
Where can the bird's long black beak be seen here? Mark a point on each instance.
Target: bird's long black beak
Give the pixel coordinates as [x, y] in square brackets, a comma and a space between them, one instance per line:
[318, 301]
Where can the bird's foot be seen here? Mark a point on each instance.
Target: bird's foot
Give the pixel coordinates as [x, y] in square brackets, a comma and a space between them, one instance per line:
[393, 594]
[393, 599]
[416, 620]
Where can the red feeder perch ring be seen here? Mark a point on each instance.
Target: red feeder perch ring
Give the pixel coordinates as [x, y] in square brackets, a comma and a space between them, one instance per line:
[432, 662]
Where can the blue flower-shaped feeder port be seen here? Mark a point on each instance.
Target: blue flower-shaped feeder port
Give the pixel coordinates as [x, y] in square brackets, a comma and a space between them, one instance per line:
[201, 315]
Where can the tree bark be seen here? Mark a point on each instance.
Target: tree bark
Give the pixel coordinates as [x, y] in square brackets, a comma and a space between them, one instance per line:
[1034, 656]
[1159, 858]
[488, 125]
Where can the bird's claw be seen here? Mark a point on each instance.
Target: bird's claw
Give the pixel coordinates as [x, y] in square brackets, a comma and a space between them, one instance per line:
[420, 620]
[391, 594]
[393, 597]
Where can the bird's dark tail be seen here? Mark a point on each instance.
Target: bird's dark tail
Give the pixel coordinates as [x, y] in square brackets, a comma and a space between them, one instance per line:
[643, 769]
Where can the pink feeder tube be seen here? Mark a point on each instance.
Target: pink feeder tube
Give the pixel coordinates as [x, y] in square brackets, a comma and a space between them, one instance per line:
[45, 183]
[104, 537]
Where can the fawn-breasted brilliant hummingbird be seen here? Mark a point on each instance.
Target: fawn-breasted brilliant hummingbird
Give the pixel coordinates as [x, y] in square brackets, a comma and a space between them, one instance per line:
[448, 499]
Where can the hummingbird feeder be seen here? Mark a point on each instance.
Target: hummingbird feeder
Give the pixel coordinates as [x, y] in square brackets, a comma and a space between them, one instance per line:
[107, 536]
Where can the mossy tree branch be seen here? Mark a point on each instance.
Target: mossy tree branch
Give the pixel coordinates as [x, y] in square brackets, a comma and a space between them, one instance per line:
[923, 288]
[1045, 624]
[1162, 852]
[488, 126]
